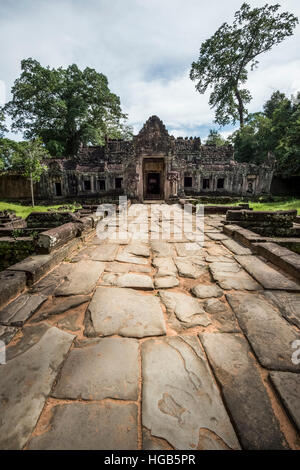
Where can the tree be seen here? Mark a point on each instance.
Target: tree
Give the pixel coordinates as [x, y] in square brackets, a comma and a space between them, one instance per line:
[276, 99]
[64, 107]
[215, 138]
[3, 128]
[28, 161]
[277, 129]
[8, 149]
[224, 58]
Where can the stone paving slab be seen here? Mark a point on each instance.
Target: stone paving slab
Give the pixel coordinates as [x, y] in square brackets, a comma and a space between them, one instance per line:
[80, 278]
[162, 249]
[287, 386]
[288, 304]
[131, 280]
[266, 275]
[221, 259]
[203, 291]
[217, 250]
[189, 249]
[7, 333]
[187, 268]
[232, 276]
[104, 252]
[270, 335]
[60, 305]
[26, 380]
[180, 398]
[165, 267]
[186, 309]
[138, 249]
[108, 368]
[116, 267]
[244, 391]
[166, 282]
[222, 314]
[217, 236]
[126, 257]
[125, 312]
[236, 247]
[21, 309]
[79, 426]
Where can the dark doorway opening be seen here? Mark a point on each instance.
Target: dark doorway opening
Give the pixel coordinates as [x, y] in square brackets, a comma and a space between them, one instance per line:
[58, 189]
[101, 185]
[206, 183]
[118, 183]
[153, 184]
[188, 181]
[87, 185]
[220, 183]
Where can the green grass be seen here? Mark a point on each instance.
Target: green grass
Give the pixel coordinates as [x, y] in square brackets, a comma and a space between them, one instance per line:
[276, 206]
[24, 211]
[279, 204]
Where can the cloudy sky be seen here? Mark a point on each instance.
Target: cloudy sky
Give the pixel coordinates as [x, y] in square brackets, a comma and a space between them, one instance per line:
[145, 47]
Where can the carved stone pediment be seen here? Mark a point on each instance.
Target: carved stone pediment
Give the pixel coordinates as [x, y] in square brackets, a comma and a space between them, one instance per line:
[153, 137]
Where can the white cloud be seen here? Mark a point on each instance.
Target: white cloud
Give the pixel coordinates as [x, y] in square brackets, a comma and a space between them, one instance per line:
[145, 47]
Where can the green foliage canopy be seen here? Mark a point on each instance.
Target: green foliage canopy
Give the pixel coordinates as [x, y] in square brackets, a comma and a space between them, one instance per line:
[225, 58]
[277, 129]
[215, 138]
[64, 107]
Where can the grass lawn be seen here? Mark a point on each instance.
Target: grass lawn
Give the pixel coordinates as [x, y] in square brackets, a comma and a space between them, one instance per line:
[276, 206]
[279, 204]
[24, 211]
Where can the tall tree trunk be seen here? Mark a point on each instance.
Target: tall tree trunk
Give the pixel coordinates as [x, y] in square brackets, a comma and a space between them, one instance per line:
[31, 188]
[240, 107]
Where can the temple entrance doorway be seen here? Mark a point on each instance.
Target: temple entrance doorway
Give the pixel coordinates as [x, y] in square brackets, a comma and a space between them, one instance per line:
[154, 178]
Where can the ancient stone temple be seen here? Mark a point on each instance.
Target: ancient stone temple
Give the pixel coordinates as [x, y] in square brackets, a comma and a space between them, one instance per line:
[154, 166]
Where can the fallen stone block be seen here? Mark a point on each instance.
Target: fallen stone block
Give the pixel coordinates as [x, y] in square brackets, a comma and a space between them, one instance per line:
[54, 238]
[11, 285]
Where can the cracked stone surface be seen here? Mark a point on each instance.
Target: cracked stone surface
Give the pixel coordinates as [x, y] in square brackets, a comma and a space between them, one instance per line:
[134, 281]
[21, 309]
[165, 267]
[187, 309]
[266, 275]
[160, 343]
[244, 391]
[236, 248]
[80, 278]
[232, 276]
[288, 304]
[105, 369]
[187, 268]
[162, 249]
[287, 385]
[111, 426]
[270, 335]
[26, 380]
[105, 252]
[206, 291]
[60, 305]
[180, 396]
[7, 333]
[126, 312]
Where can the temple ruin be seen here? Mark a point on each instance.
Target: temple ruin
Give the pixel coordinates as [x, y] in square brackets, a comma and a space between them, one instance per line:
[153, 166]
